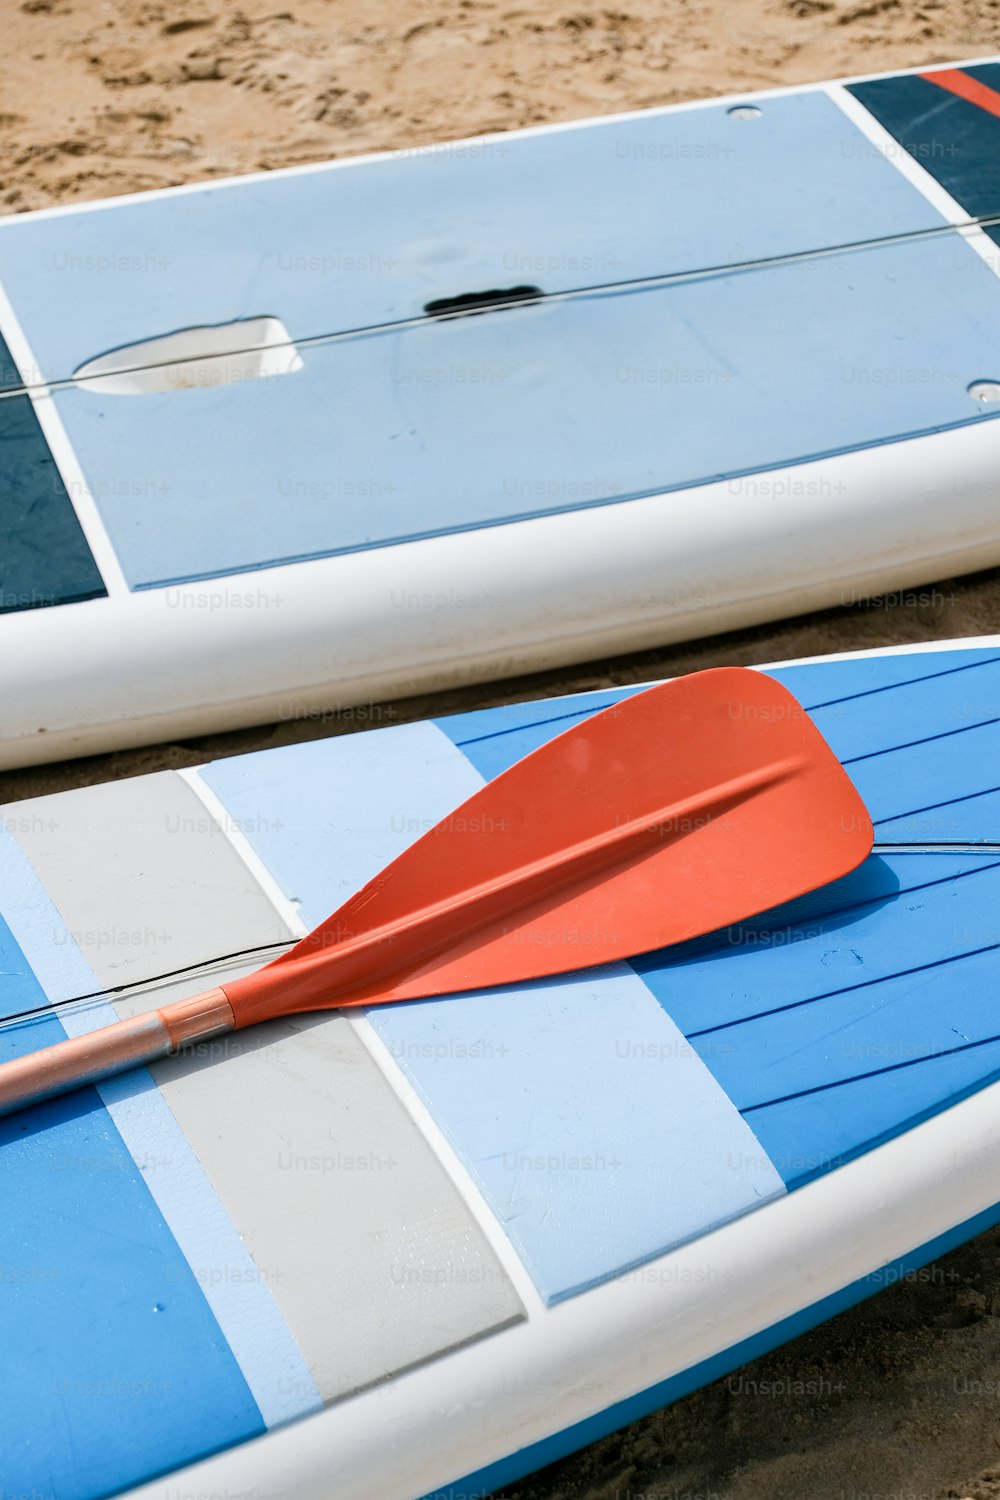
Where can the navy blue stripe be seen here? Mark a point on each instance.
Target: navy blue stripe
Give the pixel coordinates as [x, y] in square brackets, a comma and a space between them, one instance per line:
[44, 556]
[955, 141]
[10, 375]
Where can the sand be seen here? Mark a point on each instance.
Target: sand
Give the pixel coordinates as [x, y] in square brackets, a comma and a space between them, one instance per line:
[107, 96]
[898, 1399]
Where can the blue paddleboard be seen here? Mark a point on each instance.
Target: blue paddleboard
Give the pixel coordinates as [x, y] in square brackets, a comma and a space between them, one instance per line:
[427, 1249]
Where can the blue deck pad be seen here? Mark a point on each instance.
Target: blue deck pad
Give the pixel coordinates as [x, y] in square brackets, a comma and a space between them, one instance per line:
[539, 1086]
[956, 141]
[823, 684]
[44, 556]
[924, 752]
[372, 242]
[813, 1133]
[808, 1005]
[114, 1366]
[717, 981]
[540, 409]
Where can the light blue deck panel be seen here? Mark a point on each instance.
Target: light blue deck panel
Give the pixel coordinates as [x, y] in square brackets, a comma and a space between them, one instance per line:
[372, 242]
[535, 410]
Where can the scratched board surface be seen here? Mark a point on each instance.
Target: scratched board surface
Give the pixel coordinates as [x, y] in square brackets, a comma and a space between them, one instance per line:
[744, 228]
[158, 1300]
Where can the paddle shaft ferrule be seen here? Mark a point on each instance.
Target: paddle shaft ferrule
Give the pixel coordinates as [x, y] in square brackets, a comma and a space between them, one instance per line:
[112, 1049]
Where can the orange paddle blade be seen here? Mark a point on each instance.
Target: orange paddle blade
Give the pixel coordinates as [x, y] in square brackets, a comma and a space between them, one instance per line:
[685, 808]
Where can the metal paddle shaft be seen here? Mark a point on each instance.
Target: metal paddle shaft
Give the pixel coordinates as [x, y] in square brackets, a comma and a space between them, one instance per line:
[113, 1049]
[685, 808]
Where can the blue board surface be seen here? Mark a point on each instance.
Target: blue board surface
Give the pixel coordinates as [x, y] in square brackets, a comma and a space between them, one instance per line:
[535, 410]
[430, 427]
[775, 1050]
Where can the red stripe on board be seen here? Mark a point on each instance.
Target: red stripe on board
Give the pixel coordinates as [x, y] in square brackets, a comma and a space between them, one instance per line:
[957, 82]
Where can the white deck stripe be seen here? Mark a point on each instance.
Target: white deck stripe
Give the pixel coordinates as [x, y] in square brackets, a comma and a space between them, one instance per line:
[497, 1238]
[287, 910]
[450, 1162]
[938, 197]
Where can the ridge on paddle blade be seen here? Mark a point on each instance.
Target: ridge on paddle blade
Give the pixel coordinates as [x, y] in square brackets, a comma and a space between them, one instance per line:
[682, 809]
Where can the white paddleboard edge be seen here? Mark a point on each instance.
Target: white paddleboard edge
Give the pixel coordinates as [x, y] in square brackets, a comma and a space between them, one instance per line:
[306, 639]
[474, 1407]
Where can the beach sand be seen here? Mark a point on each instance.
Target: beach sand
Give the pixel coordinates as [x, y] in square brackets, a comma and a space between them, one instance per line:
[898, 1399]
